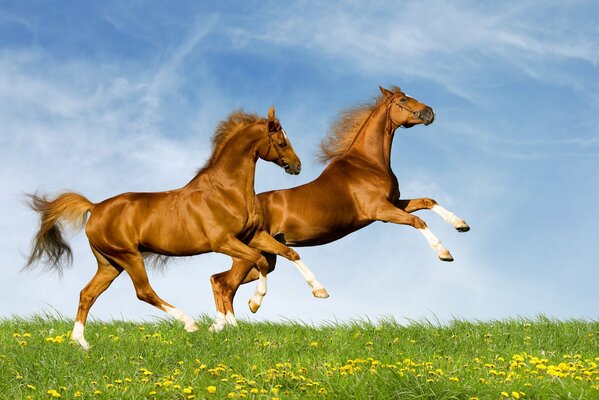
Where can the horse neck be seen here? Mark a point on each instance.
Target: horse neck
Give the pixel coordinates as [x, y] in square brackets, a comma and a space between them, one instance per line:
[373, 143]
[235, 166]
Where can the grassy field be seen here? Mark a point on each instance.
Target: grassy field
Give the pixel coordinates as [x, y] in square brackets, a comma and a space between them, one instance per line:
[517, 359]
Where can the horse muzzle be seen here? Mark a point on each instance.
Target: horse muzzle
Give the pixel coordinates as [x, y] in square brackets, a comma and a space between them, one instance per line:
[293, 168]
[427, 116]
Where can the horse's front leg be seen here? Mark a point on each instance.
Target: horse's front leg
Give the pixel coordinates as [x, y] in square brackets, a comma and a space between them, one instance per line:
[411, 205]
[388, 212]
[266, 243]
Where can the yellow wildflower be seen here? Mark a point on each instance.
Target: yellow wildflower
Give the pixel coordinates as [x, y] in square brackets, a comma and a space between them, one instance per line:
[211, 389]
[53, 393]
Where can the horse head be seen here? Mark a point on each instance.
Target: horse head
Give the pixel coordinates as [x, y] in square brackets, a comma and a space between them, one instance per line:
[406, 111]
[278, 148]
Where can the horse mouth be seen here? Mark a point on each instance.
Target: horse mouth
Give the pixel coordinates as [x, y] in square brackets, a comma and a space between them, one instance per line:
[290, 170]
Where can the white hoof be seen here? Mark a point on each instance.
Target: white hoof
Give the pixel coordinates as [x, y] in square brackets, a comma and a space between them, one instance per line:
[320, 293]
[192, 327]
[216, 327]
[445, 255]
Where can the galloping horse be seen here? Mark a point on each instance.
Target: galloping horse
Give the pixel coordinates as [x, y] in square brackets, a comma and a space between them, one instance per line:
[357, 188]
[216, 211]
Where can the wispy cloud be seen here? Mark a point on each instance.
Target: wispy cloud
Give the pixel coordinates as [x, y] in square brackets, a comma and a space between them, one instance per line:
[457, 45]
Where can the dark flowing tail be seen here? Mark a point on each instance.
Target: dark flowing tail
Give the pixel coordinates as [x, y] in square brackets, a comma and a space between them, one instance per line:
[49, 246]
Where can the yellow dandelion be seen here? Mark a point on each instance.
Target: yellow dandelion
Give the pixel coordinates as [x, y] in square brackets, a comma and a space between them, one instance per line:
[152, 393]
[188, 390]
[505, 394]
[53, 393]
[78, 393]
[516, 395]
[314, 344]
[231, 395]
[211, 389]
[97, 392]
[191, 396]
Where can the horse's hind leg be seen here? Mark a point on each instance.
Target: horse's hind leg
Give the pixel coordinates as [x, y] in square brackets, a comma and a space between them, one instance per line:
[134, 265]
[411, 205]
[105, 275]
[263, 241]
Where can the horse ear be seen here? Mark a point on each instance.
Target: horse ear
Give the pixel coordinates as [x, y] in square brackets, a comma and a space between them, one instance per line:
[271, 114]
[385, 92]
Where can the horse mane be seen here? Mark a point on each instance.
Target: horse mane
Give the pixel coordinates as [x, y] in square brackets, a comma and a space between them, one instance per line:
[345, 128]
[226, 129]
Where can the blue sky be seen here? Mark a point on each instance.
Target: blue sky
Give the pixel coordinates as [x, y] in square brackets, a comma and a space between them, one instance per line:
[115, 97]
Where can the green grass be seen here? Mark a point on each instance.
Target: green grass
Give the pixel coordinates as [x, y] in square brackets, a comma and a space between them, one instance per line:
[530, 359]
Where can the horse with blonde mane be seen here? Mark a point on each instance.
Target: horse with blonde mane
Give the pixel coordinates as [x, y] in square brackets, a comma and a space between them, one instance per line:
[356, 189]
[216, 211]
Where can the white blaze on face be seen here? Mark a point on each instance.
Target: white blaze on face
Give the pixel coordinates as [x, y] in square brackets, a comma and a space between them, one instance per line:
[284, 133]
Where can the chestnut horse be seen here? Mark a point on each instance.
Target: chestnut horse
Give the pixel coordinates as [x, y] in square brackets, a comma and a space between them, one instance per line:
[216, 211]
[357, 188]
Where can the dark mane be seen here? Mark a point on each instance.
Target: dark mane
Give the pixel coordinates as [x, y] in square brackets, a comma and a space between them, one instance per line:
[345, 128]
[235, 121]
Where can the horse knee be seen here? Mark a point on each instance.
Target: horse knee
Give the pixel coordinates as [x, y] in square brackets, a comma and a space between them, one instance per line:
[419, 223]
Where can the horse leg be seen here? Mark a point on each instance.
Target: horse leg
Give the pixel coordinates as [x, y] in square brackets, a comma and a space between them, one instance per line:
[388, 212]
[411, 205]
[224, 287]
[105, 275]
[237, 249]
[266, 243]
[134, 265]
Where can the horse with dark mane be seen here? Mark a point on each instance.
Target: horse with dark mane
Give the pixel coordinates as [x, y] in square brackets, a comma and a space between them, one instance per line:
[357, 188]
[216, 211]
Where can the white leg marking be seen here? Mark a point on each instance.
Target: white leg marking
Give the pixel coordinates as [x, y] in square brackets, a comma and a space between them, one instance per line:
[230, 318]
[450, 218]
[447, 215]
[260, 290]
[317, 289]
[219, 323]
[436, 245]
[432, 240]
[190, 324]
[77, 335]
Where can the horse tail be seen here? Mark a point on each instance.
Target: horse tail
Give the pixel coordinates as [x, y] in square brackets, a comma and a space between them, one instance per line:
[49, 245]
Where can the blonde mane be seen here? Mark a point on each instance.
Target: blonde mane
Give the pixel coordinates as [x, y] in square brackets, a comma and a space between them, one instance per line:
[227, 128]
[345, 128]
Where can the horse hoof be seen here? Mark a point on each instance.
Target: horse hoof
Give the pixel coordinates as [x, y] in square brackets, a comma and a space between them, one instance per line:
[444, 255]
[215, 328]
[462, 226]
[320, 293]
[253, 306]
[192, 327]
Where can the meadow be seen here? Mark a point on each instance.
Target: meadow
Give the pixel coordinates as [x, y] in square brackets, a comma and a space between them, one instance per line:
[510, 359]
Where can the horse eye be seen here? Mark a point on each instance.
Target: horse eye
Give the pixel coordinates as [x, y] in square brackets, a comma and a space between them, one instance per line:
[282, 145]
[403, 100]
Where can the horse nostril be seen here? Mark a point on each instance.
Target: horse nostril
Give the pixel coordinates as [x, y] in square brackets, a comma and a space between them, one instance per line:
[417, 114]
